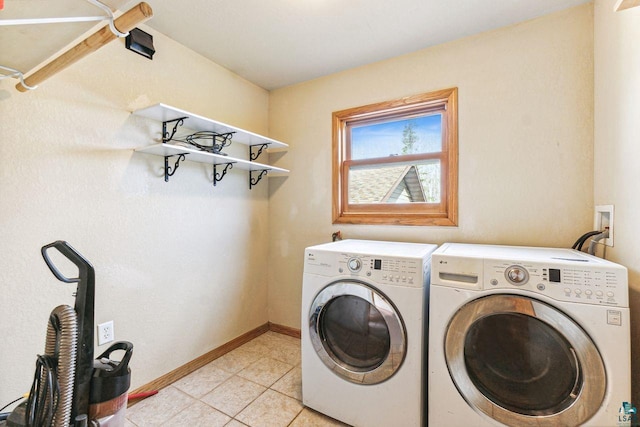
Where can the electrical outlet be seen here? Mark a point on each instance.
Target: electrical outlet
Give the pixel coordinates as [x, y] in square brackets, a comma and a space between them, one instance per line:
[105, 332]
[604, 219]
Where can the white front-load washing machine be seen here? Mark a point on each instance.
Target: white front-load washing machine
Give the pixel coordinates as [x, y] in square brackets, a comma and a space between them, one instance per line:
[527, 337]
[363, 323]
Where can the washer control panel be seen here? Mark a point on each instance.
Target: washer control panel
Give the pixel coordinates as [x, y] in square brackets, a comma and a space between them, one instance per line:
[354, 264]
[575, 283]
[386, 270]
[401, 271]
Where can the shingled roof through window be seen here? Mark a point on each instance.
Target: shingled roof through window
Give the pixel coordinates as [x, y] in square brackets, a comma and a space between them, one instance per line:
[399, 184]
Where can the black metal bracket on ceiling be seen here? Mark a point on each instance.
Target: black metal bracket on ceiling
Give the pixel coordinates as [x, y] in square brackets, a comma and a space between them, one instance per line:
[168, 170]
[252, 181]
[254, 156]
[217, 177]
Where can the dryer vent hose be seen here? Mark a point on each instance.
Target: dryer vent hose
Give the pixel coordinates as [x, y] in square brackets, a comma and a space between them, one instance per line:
[61, 344]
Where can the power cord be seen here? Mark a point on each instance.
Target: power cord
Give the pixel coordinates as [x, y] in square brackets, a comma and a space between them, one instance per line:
[582, 239]
[45, 392]
[11, 403]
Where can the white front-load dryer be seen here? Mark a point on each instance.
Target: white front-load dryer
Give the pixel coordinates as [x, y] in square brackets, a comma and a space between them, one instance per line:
[528, 337]
[363, 323]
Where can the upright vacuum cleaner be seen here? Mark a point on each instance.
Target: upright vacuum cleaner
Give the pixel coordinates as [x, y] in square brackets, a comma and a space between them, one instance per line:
[70, 389]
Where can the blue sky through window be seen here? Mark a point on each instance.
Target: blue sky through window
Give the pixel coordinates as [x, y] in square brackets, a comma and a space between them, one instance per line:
[385, 139]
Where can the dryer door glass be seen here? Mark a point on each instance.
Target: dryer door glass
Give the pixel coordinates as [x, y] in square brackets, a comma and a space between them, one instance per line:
[524, 362]
[357, 332]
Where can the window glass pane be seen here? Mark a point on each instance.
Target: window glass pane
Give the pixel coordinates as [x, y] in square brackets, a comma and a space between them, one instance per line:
[393, 183]
[522, 364]
[394, 138]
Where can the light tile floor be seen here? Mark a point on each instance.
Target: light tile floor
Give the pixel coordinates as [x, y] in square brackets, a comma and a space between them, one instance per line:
[258, 385]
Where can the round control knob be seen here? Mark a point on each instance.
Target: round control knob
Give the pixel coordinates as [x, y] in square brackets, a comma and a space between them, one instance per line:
[354, 264]
[517, 275]
[588, 292]
[577, 291]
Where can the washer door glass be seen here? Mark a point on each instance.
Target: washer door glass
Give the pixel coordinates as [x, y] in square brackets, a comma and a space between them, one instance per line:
[523, 362]
[356, 332]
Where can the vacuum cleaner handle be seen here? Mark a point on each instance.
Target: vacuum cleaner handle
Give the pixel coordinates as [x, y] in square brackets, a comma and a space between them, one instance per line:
[123, 364]
[84, 306]
[72, 255]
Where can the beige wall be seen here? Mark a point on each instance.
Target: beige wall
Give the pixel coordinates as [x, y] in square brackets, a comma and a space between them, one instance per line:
[179, 265]
[617, 145]
[526, 143]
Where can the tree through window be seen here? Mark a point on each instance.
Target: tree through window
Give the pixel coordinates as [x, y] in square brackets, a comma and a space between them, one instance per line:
[396, 162]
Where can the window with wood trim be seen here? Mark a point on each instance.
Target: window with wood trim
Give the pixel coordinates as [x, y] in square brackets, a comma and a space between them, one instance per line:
[396, 162]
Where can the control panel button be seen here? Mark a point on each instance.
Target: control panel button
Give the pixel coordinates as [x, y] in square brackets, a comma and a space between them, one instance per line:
[541, 287]
[354, 264]
[517, 275]
[567, 291]
[610, 294]
[599, 293]
[494, 282]
[578, 291]
[588, 292]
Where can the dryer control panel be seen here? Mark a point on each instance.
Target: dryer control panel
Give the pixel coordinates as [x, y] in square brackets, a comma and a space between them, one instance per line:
[561, 274]
[586, 284]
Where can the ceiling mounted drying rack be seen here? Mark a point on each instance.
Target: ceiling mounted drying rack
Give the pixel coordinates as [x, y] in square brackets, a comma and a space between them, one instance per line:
[118, 27]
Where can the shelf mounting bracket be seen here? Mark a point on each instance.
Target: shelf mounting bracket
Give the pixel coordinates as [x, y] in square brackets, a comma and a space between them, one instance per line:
[254, 156]
[168, 170]
[217, 177]
[252, 181]
[166, 136]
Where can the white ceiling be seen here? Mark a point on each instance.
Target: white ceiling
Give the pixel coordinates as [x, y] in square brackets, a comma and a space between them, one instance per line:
[275, 43]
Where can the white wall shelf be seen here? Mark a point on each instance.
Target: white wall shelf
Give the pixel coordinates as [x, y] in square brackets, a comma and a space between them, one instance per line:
[221, 135]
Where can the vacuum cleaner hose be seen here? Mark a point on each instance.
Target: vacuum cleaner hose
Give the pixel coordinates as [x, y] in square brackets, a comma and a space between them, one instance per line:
[62, 335]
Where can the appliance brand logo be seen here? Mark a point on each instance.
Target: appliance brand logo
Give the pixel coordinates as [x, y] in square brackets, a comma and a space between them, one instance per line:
[628, 415]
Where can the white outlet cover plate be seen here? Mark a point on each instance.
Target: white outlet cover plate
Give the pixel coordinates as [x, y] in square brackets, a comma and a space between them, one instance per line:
[105, 332]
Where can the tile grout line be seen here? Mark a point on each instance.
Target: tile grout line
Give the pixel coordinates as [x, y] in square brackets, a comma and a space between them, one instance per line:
[291, 368]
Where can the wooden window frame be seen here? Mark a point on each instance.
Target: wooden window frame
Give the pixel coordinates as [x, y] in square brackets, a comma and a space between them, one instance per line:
[445, 213]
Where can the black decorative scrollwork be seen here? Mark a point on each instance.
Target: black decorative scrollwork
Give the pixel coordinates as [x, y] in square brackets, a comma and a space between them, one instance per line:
[253, 156]
[168, 170]
[217, 177]
[166, 136]
[253, 181]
